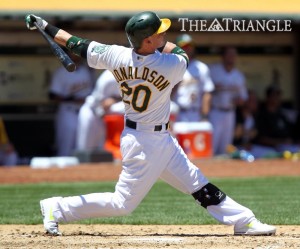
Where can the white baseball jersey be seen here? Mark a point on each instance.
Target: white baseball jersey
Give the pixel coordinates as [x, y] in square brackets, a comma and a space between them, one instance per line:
[196, 81]
[145, 83]
[233, 83]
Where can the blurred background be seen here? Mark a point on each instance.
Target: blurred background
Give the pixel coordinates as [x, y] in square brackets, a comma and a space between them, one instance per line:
[27, 63]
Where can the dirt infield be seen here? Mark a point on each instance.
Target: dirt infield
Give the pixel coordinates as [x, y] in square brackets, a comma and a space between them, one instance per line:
[144, 237]
[80, 236]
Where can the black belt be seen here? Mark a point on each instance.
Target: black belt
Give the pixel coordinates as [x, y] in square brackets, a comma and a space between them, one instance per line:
[131, 124]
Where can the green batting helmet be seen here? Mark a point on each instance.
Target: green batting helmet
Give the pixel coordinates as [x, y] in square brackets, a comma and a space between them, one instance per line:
[143, 25]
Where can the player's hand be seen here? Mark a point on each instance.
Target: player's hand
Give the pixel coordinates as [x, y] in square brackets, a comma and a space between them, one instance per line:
[30, 19]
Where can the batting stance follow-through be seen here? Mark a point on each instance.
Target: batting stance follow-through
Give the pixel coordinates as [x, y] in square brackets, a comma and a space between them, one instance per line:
[145, 74]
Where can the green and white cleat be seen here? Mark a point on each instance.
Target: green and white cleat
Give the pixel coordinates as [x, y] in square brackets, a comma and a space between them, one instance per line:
[255, 227]
[50, 225]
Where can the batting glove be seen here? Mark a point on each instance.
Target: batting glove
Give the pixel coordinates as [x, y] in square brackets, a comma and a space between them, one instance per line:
[30, 19]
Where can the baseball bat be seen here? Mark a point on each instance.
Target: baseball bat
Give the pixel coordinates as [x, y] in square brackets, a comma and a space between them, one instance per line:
[58, 51]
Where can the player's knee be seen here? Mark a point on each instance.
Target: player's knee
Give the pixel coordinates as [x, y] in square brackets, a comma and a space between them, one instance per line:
[125, 210]
[209, 195]
[123, 207]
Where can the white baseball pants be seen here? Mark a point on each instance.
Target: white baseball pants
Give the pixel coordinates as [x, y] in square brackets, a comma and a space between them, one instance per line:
[147, 156]
[223, 123]
[65, 129]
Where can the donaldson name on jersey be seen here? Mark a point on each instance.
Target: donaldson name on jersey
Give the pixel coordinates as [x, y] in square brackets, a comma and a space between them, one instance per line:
[132, 73]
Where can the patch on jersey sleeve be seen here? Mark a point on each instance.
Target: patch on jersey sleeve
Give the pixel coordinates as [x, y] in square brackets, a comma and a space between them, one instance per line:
[100, 48]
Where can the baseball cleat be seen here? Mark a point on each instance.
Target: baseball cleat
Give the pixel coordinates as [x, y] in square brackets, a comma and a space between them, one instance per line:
[50, 225]
[255, 227]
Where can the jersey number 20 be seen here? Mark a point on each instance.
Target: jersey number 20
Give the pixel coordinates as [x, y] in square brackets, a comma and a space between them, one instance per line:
[138, 97]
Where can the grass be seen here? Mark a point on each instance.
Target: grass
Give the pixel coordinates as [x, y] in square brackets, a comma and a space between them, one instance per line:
[274, 200]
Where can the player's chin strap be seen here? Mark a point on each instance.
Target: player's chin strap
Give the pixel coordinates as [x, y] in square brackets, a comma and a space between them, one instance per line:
[209, 195]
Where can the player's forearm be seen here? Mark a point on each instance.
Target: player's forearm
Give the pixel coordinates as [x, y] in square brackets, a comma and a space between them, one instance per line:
[75, 44]
[172, 48]
[169, 46]
[62, 37]
[206, 101]
[59, 35]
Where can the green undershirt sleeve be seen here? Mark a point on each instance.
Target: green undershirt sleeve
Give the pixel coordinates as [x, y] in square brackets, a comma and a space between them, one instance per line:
[78, 46]
[180, 51]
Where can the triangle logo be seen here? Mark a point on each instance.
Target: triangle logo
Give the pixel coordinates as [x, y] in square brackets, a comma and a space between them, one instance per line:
[215, 26]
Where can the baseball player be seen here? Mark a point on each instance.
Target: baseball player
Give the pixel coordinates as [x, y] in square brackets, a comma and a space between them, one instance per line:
[145, 74]
[69, 90]
[8, 154]
[193, 95]
[230, 91]
[104, 99]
